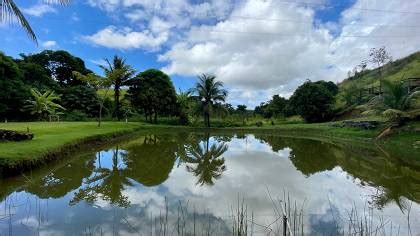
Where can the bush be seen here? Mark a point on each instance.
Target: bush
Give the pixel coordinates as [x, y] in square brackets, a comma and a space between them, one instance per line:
[259, 123]
[75, 115]
[393, 115]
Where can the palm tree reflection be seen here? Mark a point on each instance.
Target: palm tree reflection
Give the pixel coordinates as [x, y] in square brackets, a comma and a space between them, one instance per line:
[105, 183]
[205, 161]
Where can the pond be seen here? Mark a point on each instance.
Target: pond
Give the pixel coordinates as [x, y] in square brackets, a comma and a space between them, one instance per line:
[214, 184]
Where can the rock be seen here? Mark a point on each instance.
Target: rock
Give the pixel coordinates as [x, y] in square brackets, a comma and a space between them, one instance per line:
[361, 124]
[11, 135]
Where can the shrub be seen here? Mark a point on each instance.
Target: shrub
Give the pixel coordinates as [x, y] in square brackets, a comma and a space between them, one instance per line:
[259, 123]
[393, 115]
[75, 115]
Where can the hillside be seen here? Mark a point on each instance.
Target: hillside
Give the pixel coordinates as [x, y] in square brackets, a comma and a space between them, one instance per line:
[355, 92]
[400, 69]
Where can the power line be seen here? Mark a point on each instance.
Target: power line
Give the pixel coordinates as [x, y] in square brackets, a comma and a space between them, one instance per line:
[311, 22]
[337, 6]
[265, 19]
[294, 35]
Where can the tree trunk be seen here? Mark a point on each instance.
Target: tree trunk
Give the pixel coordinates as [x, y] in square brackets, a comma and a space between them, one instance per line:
[207, 119]
[100, 114]
[380, 80]
[117, 101]
[155, 117]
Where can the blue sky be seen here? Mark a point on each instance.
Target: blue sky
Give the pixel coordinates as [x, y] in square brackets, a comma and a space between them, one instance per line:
[258, 48]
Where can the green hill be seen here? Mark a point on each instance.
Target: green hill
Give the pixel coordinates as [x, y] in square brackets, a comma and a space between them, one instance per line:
[354, 95]
[403, 68]
[110, 94]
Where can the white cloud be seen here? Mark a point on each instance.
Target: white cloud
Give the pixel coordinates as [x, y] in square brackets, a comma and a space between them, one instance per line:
[49, 44]
[126, 38]
[99, 62]
[259, 57]
[260, 48]
[39, 10]
[252, 55]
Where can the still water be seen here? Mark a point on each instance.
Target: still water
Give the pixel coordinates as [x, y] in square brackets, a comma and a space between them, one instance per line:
[195, 183]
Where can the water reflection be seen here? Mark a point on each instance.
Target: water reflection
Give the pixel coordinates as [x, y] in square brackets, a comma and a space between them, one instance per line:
[205, 160]
[105, 183]
[130, 181]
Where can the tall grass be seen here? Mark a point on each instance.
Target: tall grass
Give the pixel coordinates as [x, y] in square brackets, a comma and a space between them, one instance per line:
[288, 219]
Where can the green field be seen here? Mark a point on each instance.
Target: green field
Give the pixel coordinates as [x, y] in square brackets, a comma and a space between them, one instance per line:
[50, 136]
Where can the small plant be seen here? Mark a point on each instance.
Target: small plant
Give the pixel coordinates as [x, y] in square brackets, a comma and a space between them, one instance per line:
[43, 103]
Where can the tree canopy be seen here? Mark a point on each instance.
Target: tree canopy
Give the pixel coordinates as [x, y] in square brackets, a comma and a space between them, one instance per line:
[314, 100]
[153, 92]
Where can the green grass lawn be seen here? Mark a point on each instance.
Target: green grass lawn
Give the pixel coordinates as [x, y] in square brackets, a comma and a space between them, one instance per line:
[50, 136]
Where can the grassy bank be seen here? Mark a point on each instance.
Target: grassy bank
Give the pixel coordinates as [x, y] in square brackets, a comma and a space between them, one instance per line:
[54, 139]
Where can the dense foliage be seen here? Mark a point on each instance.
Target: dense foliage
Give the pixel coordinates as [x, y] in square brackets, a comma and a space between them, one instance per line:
[153, 92]
[57, 83]
[44, 71]
[314, 100]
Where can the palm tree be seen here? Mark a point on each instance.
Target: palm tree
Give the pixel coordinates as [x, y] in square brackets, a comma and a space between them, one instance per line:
[10, 11]
[119, 72]
[43, 103]
[185, 104]
[396, 96]
[209, 91]
[206, 160]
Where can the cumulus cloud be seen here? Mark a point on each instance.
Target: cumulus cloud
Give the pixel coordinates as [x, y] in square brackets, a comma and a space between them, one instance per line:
[49, 44]
[261, 48]
[264, 48]
[127, 38]
[39, 10]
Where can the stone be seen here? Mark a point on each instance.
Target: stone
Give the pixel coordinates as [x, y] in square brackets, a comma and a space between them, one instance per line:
[11, 135]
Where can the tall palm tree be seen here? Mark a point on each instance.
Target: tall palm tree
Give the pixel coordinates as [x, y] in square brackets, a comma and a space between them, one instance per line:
[43, 103]
[209, 91]
[119, 72]
[10, 11]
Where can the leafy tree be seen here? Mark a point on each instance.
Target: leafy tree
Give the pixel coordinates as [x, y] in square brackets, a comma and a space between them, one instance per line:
[119, 73]
[153, 91]
[14, 92]
[43, 104]
[60, 66]
[276, 106]
[209, 92]
[36, 76]
[97, 82]
[242, 111]
[380, 57]
[352, 94]
[9, 11]
[313, 101]
[185, 105]
[80, 99]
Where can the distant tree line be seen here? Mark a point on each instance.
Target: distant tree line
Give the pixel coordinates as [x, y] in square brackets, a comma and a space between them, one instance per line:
[314, 101]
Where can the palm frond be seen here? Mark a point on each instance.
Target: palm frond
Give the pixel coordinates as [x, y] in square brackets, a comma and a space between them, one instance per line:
[9, 11]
